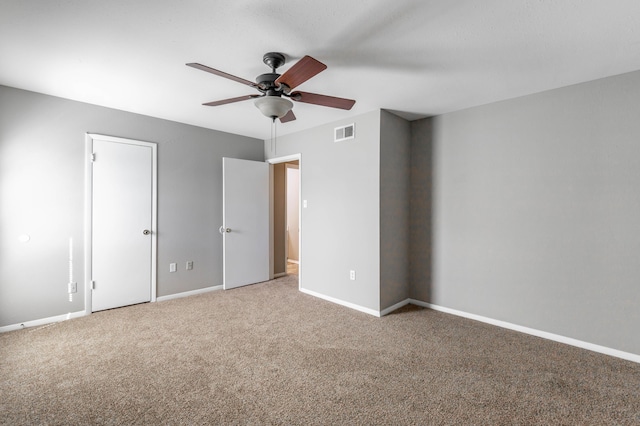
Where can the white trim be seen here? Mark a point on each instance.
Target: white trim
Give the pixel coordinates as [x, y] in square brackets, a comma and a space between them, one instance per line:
[188, 293]
[88, 224]
[42, 321]
[342, 302]
[285, 159]
[288, 166]
[88, 285]
[271, 223]
[538, 333]
[394, 307]
[286, 215]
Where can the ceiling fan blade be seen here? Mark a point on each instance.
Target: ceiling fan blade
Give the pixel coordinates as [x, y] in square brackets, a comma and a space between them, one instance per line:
[324, 100]
[301, 71]
[290, 116]
[231, 100]
[222, 74]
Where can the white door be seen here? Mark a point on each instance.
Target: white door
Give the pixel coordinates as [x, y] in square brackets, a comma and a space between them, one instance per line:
[245, 207]
[121, 223]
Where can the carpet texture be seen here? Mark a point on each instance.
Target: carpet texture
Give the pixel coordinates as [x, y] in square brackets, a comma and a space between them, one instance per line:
[268, 354]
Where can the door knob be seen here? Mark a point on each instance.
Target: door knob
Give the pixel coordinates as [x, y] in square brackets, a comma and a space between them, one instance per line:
[146, 232]
[222, 230]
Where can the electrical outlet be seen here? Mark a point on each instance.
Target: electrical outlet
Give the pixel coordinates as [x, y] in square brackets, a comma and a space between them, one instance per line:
[189, 265]
[73, 288]
[352, 275]
[173, 267]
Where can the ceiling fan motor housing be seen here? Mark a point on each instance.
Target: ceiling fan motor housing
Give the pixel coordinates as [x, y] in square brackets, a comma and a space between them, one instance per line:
[267, 85]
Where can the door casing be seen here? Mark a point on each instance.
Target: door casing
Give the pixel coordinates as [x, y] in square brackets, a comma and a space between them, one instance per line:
[289, 204]
[279, 160]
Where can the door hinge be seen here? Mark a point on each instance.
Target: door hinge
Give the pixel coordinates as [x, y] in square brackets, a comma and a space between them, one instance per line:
[93, 285]
[93, 157]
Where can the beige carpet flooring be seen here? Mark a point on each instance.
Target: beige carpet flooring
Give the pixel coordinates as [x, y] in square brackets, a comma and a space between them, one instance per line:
[268, 354]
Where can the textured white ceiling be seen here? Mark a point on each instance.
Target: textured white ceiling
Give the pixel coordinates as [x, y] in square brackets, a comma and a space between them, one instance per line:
[417, 58]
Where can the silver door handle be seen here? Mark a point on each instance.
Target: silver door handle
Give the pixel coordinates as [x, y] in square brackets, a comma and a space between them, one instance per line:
[222, 230]
[146, 232]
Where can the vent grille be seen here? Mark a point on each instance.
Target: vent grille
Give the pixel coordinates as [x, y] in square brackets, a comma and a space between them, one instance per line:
[345, 132]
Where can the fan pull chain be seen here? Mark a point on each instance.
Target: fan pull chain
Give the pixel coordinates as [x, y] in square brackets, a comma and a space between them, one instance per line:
[271, 136]
[274, 136]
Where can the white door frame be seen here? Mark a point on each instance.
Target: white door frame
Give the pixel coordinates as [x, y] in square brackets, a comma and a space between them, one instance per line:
[88, 238]
[279, 160]
[286, 211]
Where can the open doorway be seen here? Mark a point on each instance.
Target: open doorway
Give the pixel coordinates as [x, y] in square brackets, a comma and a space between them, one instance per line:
[286, 218]
[292, 243]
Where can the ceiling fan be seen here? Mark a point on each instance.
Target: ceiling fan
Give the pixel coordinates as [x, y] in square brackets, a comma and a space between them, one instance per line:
[275, 88]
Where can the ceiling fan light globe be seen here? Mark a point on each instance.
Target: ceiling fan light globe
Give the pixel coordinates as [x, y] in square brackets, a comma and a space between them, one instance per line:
[273, 106]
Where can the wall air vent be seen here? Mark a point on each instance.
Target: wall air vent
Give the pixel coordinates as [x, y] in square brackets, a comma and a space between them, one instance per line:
[345, 132]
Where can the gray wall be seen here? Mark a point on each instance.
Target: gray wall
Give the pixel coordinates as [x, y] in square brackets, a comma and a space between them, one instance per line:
[395, 138]
[420, 210]
[535, 211]
[42, 195]
[340, 226]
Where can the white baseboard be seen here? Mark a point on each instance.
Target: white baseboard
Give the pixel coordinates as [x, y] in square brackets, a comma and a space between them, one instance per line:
[297, 262]
[58, 318]
[188, 293]
[394, 307]
[42, 321]
[538, 333]
[358, 307]
[341, 302]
